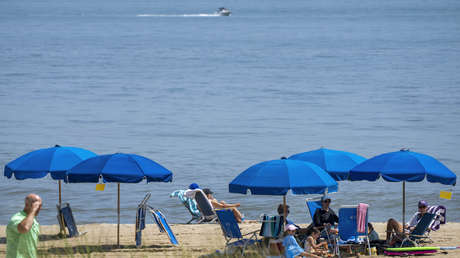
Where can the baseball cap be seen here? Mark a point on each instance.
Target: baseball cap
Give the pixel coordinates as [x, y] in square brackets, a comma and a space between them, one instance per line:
[193, 186]
[422, 203]
[324, 198]
[290, 227]
[207, 191]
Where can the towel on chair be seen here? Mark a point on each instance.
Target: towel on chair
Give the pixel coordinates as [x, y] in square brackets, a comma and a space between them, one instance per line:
[440, 218]
[361, 217]
[189, 201]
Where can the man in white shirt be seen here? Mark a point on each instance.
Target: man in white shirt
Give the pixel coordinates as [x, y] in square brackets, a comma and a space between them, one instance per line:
[395, 226]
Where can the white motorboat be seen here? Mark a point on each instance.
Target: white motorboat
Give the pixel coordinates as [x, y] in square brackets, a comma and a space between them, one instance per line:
[223, 11]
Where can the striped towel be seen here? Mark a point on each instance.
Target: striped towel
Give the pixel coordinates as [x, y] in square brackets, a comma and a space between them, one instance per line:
[272, 226]
[440, 218]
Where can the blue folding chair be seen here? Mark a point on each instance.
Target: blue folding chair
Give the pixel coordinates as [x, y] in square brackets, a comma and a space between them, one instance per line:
[420, 231]
[66, 219]
[312, 207]
[232, 231]
[159, 219]
[348, 228]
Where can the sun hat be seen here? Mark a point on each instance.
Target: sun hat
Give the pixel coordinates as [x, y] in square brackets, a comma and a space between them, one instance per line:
[422, 203]
[290, 227]
[193, 186]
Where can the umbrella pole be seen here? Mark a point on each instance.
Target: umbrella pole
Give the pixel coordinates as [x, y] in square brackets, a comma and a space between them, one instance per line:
[284, 210]
[60, 200]
[404, 203]
[118, 226]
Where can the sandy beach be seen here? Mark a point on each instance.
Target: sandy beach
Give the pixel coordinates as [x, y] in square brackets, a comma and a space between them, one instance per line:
[195, 240]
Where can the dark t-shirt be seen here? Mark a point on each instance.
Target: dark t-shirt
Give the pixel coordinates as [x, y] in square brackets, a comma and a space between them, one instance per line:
[321, 216]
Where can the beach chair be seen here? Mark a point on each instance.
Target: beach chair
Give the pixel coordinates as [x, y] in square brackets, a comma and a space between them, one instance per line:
[232, 232]
[140, 220]
[272, 229]
[312, 207]
[187, 202]
[348, 229]
[208, 214]
[163, 225]
[66, 220]
[158, 217]
[420, 232]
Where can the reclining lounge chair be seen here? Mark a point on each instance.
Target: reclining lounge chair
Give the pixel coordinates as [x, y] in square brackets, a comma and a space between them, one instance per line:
[208, 214]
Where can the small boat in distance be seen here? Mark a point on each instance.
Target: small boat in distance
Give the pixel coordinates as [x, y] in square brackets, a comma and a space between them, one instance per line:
[223, 12]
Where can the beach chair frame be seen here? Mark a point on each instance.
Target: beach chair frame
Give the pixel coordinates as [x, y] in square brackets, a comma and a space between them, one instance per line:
[420, 232]
[231, 231]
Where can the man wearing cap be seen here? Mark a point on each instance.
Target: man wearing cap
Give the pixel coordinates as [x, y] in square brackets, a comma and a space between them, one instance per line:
[395, 226]
[325, 216]
[221, 205]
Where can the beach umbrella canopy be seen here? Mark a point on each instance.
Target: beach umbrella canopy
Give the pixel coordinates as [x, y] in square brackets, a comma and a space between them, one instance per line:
[277, 177]
[118, 168]
[336, 163]
[402, 166]
[39, 163]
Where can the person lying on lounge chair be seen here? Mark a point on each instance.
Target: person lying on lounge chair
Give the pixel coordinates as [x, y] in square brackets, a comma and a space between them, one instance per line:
[394, 226]
[222, 205]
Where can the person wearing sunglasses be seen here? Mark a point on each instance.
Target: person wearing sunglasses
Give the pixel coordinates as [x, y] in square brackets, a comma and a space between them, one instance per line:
[394, 226]
[325, 217]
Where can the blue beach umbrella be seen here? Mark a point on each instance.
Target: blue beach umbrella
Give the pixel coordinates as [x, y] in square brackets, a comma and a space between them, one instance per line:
[403, 165]
[118, 168]
[336, 163]
[277, 177]
[39, 163]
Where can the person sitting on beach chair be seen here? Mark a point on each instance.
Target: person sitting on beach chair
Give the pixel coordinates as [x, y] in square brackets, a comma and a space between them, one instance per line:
[325, 217]
[396, 232]
[223, 205]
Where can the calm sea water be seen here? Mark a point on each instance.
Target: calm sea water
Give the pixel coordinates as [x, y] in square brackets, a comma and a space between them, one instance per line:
[209, 96]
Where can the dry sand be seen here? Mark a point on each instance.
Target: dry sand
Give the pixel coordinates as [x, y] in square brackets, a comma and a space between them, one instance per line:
[195, 240]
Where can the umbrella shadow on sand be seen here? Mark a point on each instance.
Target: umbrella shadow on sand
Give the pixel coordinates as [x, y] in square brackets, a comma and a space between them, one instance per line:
[41, 238]
[86, 249]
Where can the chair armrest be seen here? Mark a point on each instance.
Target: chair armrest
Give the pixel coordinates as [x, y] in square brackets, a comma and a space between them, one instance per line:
[254, 233]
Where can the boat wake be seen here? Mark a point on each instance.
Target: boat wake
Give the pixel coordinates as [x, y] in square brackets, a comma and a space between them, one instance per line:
[180, 15]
